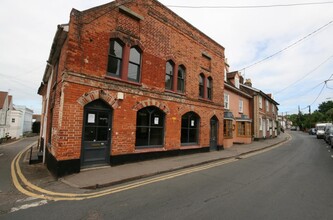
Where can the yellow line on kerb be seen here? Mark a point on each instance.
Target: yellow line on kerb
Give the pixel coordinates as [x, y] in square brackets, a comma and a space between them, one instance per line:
[57, 196]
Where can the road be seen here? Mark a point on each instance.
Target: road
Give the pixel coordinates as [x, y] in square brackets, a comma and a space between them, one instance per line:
[293, 181]
[8, 193]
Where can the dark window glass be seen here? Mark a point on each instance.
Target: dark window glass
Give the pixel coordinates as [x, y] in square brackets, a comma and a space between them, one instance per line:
[103, 119]
[102, 134]
[150, 127]
[89, 133]
[181, 79]
[190, 128]
[209, 87]
[134, 65]
[115, 58]
[97, 126]
[201, 86]
[169, 75]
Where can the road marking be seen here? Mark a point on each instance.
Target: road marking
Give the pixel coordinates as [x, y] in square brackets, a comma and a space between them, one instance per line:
[27, 206]
[26, 199]
[40, 193]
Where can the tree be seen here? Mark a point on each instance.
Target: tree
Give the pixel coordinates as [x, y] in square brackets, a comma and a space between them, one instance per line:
[325, 106]
[329, 115]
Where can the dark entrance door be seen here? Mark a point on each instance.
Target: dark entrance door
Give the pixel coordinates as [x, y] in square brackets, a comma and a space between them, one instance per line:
[213, 133]
[96, 134]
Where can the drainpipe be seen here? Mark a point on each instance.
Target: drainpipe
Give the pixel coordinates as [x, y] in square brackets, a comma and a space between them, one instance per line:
[46, 109]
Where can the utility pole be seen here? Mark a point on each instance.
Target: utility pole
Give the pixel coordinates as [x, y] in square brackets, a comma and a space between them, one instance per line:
[310, 109]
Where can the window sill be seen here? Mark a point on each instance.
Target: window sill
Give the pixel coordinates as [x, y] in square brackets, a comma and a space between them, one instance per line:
[205, 100]
[124, 81]
[174, 92]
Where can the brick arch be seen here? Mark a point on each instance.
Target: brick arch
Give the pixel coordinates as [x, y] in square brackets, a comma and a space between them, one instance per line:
[187, 108]
[151, 102]
[218, 115]
[97, 94]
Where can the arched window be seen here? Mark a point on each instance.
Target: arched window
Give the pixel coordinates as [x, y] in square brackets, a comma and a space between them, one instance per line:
[169, 75]
[181, 79]
[209, 88]
[149, 127]
[190, 128]
[115, 58]
[201, 85]
[134, 65]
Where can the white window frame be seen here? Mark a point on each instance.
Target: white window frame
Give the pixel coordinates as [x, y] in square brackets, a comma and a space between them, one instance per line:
[240, 106]
[237, 82]
[226, 101]
[260, 123]
[267, 123]
[260, 102]
[267, 106]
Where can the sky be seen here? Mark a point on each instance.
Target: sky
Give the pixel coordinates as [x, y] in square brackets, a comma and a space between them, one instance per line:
[291, 46]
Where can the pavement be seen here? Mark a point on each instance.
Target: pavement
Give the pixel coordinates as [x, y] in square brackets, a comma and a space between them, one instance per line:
[96, 178]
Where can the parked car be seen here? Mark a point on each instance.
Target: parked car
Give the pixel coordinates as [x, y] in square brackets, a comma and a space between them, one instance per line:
[293, 128]
[320, 127]
[331, 137]
[312, 131]
[328, 130]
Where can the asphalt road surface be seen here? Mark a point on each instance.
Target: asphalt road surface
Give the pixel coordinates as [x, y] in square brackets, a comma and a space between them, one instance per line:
[8, 193]
[293, 181]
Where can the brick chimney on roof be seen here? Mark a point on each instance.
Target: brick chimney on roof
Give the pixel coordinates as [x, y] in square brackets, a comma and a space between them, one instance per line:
[248, 82]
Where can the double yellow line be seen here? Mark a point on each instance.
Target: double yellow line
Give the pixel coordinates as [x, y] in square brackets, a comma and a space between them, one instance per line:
[29, 189]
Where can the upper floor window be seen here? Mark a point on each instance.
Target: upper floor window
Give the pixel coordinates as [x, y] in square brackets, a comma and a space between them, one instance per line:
[237, 82]
[115, 58]
[181, 79]
[267, 106]
[260, 102]
[169, 75]
[134, 65]
[226, 101]
[209, 88]
[201, 85]
[240, 108]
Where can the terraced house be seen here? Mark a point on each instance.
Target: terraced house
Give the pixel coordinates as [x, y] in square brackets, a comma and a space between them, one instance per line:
[129, 80]
[264, 114]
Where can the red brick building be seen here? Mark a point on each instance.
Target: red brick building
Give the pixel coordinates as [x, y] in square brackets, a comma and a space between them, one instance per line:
[128, 80]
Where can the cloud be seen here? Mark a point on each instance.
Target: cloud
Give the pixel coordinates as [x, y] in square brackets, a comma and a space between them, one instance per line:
[248, 36]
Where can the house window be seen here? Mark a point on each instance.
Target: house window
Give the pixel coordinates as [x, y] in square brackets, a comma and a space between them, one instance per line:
[134, 65]
[227, 128]
[181, 79]
[149, 128]
[13, 120]
[240, 106]
[190, 128]
[267, 124]
[209, 88]
[201, 85]
[226, 101]
[260, 102]
[169, 75]
[243, 129]
[260, 124]
[237, 82]
[115, 58]
[267, 106]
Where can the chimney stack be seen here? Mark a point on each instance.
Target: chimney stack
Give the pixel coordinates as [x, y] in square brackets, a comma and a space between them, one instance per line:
[248, 82]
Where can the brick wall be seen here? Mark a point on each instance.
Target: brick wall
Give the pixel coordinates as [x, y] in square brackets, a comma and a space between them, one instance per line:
[161, 36]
